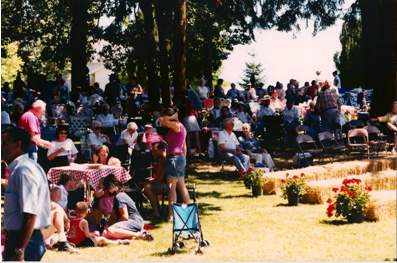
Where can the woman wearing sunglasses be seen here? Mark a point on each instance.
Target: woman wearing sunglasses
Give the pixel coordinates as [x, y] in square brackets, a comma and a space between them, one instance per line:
[96, 139]
[64, 152]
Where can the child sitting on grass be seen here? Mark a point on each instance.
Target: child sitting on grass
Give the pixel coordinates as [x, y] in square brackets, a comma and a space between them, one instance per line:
[80, 235]
[105, 200]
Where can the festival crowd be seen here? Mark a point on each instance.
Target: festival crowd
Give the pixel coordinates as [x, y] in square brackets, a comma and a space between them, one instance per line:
[228, 125]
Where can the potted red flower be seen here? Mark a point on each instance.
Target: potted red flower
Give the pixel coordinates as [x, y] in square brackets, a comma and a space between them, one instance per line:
[293, 188]
[253, 178]
[350, 201]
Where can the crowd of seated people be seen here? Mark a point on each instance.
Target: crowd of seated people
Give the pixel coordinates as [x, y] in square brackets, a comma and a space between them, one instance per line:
[125, 221]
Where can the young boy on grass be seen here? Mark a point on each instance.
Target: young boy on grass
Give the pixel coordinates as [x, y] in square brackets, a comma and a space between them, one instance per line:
[80, 235]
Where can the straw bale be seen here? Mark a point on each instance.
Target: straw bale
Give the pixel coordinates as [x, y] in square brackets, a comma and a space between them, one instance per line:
[329, 171]
[319, 191]
[382, 205]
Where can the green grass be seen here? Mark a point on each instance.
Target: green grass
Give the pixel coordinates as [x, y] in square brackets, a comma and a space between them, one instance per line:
[243, 228]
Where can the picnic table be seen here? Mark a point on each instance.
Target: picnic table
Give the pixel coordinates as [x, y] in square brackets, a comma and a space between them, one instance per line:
[83, 172]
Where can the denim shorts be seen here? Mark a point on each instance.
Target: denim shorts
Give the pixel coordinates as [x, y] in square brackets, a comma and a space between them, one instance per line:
[176, 166]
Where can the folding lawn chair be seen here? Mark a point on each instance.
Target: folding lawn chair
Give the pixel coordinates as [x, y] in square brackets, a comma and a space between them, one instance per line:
[331, 145]
[306, 144]
[187, 223]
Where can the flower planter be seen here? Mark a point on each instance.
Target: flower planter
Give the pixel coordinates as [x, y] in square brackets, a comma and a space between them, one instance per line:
[293, 199]
[356, 217]
[257, 190]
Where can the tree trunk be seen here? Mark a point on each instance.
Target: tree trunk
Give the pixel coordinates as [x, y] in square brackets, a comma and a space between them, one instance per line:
[161, 19]
[180, 48]
[154, 95]
[78, 43]
[208, 54]
[380, 59]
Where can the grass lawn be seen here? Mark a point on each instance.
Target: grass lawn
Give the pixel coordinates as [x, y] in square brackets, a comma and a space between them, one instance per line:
[243, 228]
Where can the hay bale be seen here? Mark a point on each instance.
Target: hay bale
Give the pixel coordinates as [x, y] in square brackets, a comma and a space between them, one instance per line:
[329, 171]
[319, 191]
[382, 164]
[382, 205]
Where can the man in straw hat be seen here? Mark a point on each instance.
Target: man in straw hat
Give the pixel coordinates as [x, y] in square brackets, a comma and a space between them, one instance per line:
[263, 110]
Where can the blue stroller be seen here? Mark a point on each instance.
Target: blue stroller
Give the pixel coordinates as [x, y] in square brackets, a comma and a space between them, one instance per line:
[186, 225]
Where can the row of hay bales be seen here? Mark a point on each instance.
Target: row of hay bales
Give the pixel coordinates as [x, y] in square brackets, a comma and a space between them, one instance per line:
[379, 174]
[319, 191]
[328, 171]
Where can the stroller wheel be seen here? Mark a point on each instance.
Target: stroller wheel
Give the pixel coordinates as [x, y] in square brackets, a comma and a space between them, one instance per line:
[181, 244]
[172, 251]
[203, 243]
[207, 242]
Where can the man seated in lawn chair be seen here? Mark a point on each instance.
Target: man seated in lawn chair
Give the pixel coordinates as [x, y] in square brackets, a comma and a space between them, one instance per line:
[107, 120]
[229, 147]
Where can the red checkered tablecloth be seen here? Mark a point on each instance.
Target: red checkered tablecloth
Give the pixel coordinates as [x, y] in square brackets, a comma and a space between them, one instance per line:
[82, 172]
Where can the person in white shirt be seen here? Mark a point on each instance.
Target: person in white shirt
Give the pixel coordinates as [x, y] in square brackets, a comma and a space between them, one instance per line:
[105, 117]
[263, 110]
[291, 118]
[229, 147]
[336, 82]
[64, 151]
[129, 136]
[243, 116]
[95, 139]
[27, 207]
[202, 90]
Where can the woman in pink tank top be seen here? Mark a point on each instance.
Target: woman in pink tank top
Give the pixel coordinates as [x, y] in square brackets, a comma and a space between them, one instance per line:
[176, 157]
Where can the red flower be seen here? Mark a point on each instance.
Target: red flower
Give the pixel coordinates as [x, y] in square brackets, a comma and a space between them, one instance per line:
[240, 172]
[295, 177]
[368, 188]
[346, 181]
[344, 189]
[329, 200]
[351, 194]
[354, 180]
[329, 214]
[287, 174]
[302, 174]
[242, 176]
[335, 189]
[331, 208]
[283, 181]
[250, 170]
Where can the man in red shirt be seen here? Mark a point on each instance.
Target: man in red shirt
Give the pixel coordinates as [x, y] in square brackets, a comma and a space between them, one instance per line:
[30, 122]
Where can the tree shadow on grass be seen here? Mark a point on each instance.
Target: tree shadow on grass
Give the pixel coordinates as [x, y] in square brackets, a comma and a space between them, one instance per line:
[238, 196]
[210, 176]
[214, 194]
[206, 209]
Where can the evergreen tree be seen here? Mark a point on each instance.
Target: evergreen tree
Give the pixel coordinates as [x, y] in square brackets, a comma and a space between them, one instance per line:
[252, 72]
